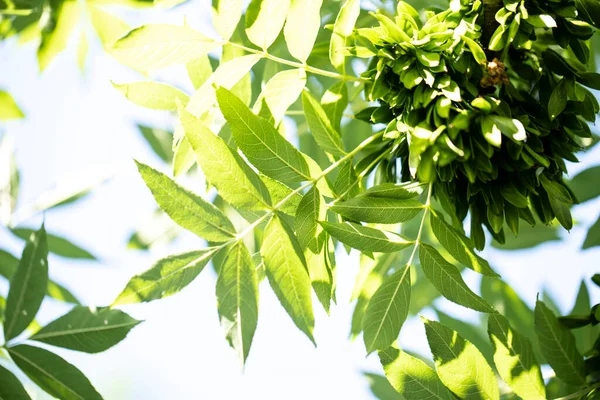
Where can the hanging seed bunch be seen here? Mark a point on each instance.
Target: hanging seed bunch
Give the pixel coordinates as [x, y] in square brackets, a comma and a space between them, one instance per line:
[487, 101]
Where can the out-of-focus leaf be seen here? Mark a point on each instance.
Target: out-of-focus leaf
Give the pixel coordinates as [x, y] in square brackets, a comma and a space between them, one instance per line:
[86, 329]
[28, 286]
[9, 180]
[529, 237]
[64, 16]
[53, 374]
[381, 388]
[153, 95]
[108, 27]
[11, 388]
[9, 108]
[57, 245]
[159, 140]
[593, 236]
[225, 16]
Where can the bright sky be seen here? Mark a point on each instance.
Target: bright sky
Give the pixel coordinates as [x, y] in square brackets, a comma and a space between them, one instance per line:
[76, 122]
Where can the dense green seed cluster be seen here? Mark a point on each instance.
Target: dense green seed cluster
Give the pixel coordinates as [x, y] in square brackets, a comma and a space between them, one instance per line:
[488, 109]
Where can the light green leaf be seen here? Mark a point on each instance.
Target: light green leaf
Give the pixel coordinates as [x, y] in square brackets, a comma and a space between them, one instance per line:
[154, 95]
[366, 239]
[82, 50]
[262, 144]
[302, 27]
[225, 16]
[56, 244]
[281, 91]
[264, 20]
[387, 311]
[321, 275]
[227, 75]
[278, 192]
[447, 279]
[287, 273]
[8, 107]
[320, 126]
[166, 277]
[188, 210]
[558, 99]
[237, 298]
[199, 70]
[342, 28]
[460, 366]
[378, 210]
[86, 329]
[381, 388]
[152, 47]
[108, 27]
[311, 210]
[394, 190]
[592, 238]
[53, 374]
[223, 168]
[334, 102]
[476, 50]
[514, 359]
[159, 140]
[459, 246]
[28, 286]
[558, 346]
[411, 377]
[11, 388]
[56, 33]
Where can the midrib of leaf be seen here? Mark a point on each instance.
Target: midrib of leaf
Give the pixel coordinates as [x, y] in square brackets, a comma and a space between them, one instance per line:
[556, 339]
[387, 309]
[505, 333]
[193, 211]
[267, 146]
[43, 371]
[83, 330]
[29, 269]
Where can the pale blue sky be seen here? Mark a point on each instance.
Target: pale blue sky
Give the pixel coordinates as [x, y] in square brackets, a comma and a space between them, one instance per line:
[77, 122]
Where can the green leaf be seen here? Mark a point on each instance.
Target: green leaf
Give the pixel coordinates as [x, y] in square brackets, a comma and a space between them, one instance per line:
[366, 239]
[226, 15]
[387, 311]
[264, 20]
[28, 286]
[262, 144]
[394, 191]
[584, 184]
[558, 346]
[460, 366]
[56, 244]
[342, 28]
[167, 276]
[302, 27]
[64, 16]
[586, 335]
[381, 388]
[199, 70]
[593, 236]
[378, 210]
[278, 192]
[334, 102]
[529, 237]
[320, 126]
[459, 246]
[154, 95]
[188, 210]
[589, 79]
[108, 27]
[321, 275]
[447, 279]
[53, 374]
[152, 47]
[281, 91]
[411, 377]
[515, 360]
[159, 140]
[476, 50]
[9, 108]
[558, 99]
[311, 210]
[223, 168]
[11, 388]
[237, 298]
[287, 273]
[87, 329]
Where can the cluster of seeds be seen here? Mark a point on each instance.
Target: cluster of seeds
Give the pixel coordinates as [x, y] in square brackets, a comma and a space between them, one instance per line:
[487, 109]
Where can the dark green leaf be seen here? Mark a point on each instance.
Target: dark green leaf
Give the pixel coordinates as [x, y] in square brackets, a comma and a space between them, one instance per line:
[53, 374]
[11, 388]
[558, 99]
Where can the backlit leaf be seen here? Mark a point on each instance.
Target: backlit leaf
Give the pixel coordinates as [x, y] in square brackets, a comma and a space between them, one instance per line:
[8, 107]
[225, 16]
[366, 239]
[154, 95]
[334, 102]
[57, 245]
[378, 210]
[281, 91]
[320, 126]
[311, 210]
[56, 34]
[108, 27]
[264, 20]
[302, 27]
[343, 27]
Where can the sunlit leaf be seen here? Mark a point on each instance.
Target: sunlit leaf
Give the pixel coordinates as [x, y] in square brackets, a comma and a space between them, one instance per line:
[199, 71]
[343, 27]
[334, 102]
[302, 27]
[8, 107]
[366, 239]
[86, 329]
[108, 27]
[311, 210]
[53, 374]
[281, 91]
[320, 126]
[459, 364]
[378, 209]
[154, 95]
[57, 245]
[287, 272]
[188, 210]
[381, 388]
[387, 311]
[28, 286]
[225, 16]
[264, 20]
[280, 192]
[55, 36]
[166, 277]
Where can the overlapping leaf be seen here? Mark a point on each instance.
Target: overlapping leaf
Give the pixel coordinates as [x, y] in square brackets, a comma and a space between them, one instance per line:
[366, 239]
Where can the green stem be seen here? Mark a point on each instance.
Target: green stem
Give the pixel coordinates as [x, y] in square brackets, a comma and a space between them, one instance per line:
[420, 233]
[295, 64]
